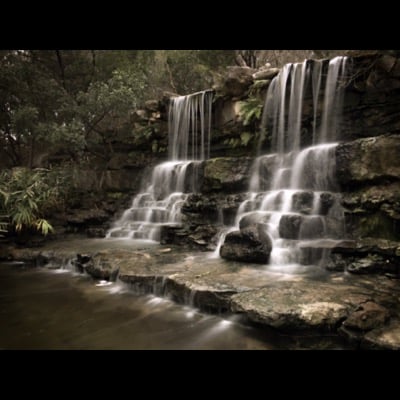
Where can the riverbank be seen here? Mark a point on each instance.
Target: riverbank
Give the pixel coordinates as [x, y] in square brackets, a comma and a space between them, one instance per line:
[291, 299]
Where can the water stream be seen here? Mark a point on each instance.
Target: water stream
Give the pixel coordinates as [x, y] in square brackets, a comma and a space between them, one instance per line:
[45, 309]
[162, 195]
[292, 190]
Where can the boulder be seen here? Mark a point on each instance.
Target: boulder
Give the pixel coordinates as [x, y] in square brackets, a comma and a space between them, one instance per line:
[267, 73]
[368, 316]
[251, 244]
[235, 82]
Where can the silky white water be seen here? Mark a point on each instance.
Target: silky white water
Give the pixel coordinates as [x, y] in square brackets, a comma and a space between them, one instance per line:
[292, 190]
[162, 195]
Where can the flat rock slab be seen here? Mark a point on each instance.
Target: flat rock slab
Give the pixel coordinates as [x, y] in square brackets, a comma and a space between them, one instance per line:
[200, 281]
[287, 300]
[384, 338]
[300, 305]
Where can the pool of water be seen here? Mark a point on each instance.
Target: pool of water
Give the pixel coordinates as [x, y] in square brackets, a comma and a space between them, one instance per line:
[60, 309]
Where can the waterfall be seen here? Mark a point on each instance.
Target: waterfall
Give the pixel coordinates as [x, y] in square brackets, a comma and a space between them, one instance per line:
[293, 190]
[162, 195]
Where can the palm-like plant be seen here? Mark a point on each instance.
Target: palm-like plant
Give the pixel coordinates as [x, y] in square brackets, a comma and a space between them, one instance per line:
[25, 197]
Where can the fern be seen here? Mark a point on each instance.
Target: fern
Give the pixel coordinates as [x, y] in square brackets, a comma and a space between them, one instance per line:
[250, 110]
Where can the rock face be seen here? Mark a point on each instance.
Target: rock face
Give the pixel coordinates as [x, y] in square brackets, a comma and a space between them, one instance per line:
[366, 161]
[226, 174]
[250, 244]
[368, 171]
[366, 256]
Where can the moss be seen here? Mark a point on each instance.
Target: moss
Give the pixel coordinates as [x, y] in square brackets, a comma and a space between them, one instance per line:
[115, 195]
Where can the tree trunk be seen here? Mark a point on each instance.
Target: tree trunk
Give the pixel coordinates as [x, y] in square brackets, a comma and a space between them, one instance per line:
[62, 67]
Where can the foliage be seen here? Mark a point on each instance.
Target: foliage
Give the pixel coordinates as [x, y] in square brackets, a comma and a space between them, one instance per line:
[251, 110]
[242, 141]
[3, 224]
[26, 196]
[75, 102]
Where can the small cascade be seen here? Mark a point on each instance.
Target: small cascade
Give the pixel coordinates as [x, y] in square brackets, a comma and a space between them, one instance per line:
[293, 190]
[163, 194]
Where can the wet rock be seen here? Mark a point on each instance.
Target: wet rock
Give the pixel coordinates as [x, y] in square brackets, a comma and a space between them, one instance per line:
[312, 227]
[369, 316]
[373, 263]
[227, 174]
[266, 166]
[96, 232]
[302, 202]
[100, 266]
[250, 244]
[326, 202]
[336, 262]
[172, 233]
[192, 236]
[203, 234]
[253, 218]
[289, 226]
[211, 208]
[311, 255]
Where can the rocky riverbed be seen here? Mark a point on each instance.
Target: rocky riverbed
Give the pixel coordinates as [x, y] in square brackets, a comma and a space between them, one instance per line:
[363, 308]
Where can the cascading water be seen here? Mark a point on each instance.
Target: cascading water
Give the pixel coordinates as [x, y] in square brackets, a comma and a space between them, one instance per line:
[292, 191]
[160, 200]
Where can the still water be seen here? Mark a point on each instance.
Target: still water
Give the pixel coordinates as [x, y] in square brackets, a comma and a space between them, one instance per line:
[59, 309]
